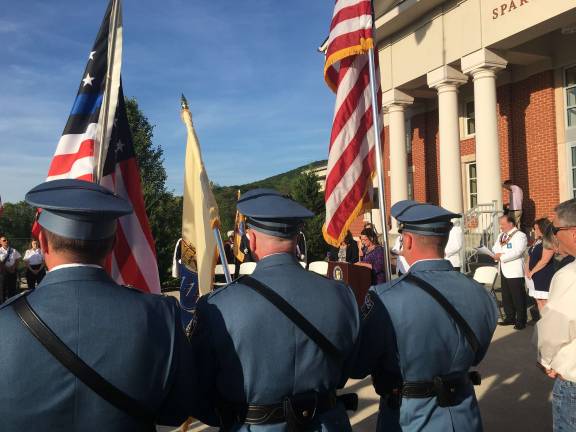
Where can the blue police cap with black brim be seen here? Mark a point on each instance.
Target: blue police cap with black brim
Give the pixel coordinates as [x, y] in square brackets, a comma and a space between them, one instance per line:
[78, 209]
[272, 213]
[422, 218]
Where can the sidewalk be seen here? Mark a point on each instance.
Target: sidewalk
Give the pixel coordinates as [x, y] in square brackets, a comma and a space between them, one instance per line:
[514, 395]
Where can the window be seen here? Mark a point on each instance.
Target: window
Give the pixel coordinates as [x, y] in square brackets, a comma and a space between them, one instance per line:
[410, 183]
[408, 129]
[472, 179]
[571, 97]
[470, 125]
[573, 169]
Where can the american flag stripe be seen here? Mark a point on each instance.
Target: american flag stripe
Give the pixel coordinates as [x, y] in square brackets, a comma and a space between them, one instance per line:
[71, 162]
[350, 11]
[349, 111]
[133, 261]
[351, 152]
[134, 256]
[86, 104]
[347, 180]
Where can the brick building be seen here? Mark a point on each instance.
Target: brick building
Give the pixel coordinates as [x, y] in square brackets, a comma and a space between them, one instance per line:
[476, 92]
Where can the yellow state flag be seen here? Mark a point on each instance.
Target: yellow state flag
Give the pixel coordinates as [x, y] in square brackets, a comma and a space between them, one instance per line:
[238, 234]
[200, 213]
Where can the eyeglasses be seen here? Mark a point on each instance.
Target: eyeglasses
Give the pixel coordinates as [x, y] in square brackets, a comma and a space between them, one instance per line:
[556, 229]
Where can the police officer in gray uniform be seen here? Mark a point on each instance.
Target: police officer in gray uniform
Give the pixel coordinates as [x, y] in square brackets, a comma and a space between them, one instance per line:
[275, 344]
[82, 353]
[422, 332]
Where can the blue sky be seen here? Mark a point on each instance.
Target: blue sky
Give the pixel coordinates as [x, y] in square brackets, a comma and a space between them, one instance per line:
[250, 70]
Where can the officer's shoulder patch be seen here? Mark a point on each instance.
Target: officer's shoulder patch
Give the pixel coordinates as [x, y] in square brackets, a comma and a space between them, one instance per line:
[192, 326]
[367, 306]
[13, 299]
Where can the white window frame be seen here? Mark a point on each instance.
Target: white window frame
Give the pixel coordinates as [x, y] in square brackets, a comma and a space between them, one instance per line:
[465, 133]
[570, 147]
[410, 182]
[566, 87]
[408, 133]
[469, 193]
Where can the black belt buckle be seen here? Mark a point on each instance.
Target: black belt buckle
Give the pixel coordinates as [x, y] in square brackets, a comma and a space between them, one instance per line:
[445, 392]
[349, 400]
[300, 410]
[475, 377]
[394, 398]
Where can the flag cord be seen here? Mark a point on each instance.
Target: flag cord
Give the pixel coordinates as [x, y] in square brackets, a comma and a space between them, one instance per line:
[106, 100]
[378, 154]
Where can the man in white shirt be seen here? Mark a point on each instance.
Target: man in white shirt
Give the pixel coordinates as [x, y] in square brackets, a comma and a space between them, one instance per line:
[401, 264]
[556, 330]
[515, 201]
[9, 258]
[454, 246]
[509, 252]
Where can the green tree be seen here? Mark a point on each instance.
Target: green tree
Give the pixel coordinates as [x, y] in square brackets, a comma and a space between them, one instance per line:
[163, 208]
[150, 157]
[16, 223]
[306, 190]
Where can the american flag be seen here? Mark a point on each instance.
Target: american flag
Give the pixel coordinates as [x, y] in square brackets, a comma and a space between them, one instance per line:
[351, 158]
[133, 261]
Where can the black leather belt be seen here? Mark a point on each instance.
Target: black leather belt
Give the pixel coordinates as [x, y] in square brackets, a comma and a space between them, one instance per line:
[276, 413]
[426, 389]
[304, 406]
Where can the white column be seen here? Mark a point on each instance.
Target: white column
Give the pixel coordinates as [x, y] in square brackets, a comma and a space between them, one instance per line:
[447, 80]
[482, 65]
[394, 102]
[398, 153]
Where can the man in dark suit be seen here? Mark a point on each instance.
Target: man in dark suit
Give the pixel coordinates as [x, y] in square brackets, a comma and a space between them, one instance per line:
[132, 341]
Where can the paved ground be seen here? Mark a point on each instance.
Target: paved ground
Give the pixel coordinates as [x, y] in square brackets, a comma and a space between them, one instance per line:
[514, 395]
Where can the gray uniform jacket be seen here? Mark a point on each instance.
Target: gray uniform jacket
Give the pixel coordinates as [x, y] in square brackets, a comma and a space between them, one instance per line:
[407, 336]
[133, 340]
[252, 353]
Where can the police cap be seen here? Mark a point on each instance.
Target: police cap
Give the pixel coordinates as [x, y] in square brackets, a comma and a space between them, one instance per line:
[78, 209]
[422, 218]
[272, 213]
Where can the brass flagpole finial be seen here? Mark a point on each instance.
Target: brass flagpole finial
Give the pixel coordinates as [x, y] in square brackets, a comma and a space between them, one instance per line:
[183, 102]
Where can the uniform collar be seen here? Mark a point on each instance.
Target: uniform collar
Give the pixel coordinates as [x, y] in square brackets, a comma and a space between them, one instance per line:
[79, 273]
[276, 260]
[431, 264]
[62, 266]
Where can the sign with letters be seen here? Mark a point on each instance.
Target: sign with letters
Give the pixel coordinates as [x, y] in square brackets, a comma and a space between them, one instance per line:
[507, 7]
[504, 18]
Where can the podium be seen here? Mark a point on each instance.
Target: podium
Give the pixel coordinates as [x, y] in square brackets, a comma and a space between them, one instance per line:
[359, 278]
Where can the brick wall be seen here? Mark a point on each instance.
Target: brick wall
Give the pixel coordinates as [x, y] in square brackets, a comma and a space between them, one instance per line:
[532, 154]
[528, 154]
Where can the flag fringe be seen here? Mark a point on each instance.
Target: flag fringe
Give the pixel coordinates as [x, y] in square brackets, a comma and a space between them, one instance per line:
[360, 207]
[362, 48]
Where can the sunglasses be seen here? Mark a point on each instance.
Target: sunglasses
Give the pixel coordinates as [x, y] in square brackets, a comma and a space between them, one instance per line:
[556, 229]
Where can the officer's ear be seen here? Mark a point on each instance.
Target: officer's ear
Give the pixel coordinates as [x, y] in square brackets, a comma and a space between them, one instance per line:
[407, 240]
[251, 239]
[44, 247]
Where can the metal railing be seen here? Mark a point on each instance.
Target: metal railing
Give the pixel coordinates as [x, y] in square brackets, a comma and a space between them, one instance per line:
[479, 228]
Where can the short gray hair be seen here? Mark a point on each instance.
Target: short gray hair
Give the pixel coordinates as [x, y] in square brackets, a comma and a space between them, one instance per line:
[566, 212]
